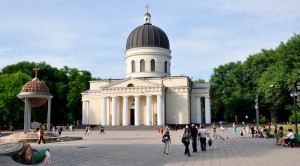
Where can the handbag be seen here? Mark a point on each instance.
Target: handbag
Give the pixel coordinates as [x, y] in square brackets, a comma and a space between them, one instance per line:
[184, 140]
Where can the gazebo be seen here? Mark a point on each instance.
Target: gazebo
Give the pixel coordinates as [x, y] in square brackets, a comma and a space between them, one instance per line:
[35, 93]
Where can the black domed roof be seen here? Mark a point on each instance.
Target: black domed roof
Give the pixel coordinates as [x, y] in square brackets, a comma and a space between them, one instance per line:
[147, 35]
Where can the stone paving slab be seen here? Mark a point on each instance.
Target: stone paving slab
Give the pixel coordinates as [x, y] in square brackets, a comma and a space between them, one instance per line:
[144, 148]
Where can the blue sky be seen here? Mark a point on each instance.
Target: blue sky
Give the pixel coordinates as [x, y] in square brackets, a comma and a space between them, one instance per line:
[91, 34]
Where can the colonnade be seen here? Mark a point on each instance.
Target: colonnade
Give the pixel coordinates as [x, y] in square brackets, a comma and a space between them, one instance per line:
[137, 109]
[199, 110]
[111, 110]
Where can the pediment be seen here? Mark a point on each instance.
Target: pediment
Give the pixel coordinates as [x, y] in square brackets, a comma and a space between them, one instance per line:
[131, 82]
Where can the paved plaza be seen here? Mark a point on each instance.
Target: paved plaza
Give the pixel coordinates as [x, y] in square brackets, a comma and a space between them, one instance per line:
[144, 148]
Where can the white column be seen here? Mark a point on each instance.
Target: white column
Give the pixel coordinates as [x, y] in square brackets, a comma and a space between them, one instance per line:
[149, 111]
[198, 110]
[29, 118]
[108, 112]
[163, 110]
[115, 111]
[26, 116]
[137, 110]
[104, 111]
[159, 110]
[125, 111]
[83, 114]
[207, 110]
[87, 111]
[48, 115]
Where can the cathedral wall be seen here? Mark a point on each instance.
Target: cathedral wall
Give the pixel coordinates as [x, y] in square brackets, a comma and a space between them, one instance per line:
[94, 85]
[193, 110]
[95, 112]
[171, 81]
[177, 106]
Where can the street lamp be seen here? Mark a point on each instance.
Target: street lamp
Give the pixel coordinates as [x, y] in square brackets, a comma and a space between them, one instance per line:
[294, 94]
[273, 112]
[257, 111]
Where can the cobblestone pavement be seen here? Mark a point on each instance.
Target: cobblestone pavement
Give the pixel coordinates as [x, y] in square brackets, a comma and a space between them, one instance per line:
[144, 148]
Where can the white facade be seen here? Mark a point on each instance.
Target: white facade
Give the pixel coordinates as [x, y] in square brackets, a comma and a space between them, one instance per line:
[148, 101]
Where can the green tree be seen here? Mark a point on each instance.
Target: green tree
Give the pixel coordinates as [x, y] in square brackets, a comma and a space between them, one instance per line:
[234, 85]
[78, 82]
[11, 107]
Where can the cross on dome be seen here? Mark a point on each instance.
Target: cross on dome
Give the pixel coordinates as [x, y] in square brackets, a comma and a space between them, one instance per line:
[147, 16]
[147, 6]
[35, 70]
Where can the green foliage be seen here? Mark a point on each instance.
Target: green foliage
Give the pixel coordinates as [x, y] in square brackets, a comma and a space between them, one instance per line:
[292, 117]
[11, 108]
[199, 81]
[235, 85]
[263, 120]
[64, 84]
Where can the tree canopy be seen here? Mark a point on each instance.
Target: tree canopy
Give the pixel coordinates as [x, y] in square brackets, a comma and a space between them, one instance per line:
[235, 84]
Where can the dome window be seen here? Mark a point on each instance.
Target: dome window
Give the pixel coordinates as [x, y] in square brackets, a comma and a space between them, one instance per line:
[142, 65]
[132, 66]
[166, 66]
[152, 65]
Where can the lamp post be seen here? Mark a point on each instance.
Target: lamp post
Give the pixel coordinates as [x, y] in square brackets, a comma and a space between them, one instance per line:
[294, 94]
[257, 111]
[273, 112]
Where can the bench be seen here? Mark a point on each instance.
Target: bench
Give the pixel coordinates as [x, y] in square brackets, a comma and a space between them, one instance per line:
[295, 141]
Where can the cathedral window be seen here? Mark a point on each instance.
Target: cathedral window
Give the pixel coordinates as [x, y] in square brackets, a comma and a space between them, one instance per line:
[152, 65]
[132, 66]
[130, 85]
[166, 66]
[142, 65]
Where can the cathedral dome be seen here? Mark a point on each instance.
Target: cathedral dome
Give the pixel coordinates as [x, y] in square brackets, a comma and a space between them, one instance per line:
[147, 35]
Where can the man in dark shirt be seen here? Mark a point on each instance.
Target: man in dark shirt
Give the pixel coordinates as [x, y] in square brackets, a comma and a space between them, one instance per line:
[194, 134]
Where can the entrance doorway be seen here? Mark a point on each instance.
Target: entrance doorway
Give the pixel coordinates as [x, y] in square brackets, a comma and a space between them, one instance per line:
[131, 116]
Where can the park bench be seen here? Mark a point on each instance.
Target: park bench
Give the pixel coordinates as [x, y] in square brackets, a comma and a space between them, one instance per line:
[295, 141]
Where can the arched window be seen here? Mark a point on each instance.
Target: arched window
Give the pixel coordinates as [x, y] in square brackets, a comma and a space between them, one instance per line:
[130, 85]
[142, 65]
[132, 66]
[166, 66]
[152, 65]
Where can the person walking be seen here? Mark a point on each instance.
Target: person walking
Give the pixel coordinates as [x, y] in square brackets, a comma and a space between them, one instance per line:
[86, 130]
[252, 130]
[186, 141]
[89, 130]
[41, 135]
[167, 141]
[59, 130]
[102, 130]
[234, 128]
[194, 134]
[203, 133]
[214, 130]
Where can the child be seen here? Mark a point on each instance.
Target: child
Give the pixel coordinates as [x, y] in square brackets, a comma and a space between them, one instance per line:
[209, 142]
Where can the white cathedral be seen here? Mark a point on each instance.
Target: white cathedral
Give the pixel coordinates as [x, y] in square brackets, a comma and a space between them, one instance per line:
[149, 95]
